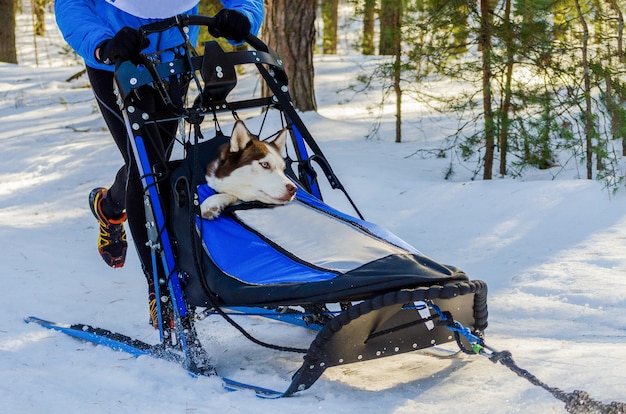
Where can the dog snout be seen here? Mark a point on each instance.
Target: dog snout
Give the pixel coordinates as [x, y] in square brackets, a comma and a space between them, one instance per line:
[291, 189]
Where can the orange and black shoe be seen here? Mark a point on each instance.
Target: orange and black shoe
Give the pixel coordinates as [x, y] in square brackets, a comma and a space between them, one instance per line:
[152, 306]
[168, 316]
[112, 243]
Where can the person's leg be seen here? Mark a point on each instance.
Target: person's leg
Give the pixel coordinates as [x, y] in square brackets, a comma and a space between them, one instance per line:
[126, 194]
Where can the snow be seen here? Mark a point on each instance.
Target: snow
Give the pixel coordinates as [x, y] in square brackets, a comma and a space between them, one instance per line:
[551, 250]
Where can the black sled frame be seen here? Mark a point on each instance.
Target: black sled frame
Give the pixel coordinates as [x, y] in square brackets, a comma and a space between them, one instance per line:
[371, 326]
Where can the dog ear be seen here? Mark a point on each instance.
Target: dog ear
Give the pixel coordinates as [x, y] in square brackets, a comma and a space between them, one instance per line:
[240, 136]
[281, 140]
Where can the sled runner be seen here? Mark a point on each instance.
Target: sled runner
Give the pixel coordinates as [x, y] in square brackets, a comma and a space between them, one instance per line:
[366, 292]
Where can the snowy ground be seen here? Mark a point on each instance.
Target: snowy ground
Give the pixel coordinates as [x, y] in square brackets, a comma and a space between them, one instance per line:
[553, 253]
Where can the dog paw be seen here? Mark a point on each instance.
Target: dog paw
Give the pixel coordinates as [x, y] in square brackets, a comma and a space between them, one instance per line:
[213, 206]
[209, 211]
[210, 214]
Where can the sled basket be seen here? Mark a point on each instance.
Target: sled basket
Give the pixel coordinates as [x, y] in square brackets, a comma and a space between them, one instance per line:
[309, 254]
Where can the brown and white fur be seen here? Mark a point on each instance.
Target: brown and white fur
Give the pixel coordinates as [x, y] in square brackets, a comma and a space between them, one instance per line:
[248, 170]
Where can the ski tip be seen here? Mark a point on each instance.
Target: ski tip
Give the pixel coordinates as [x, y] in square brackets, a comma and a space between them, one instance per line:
[232, 385]
[30, 319]
[44, 323]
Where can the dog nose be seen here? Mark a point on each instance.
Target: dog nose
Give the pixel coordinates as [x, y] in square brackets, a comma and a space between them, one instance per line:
[291, 189]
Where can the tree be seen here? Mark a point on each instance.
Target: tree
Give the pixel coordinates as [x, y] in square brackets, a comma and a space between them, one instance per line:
[587, 114]
[486, 13]
[389, 26]
[289, 28]
[8, 51]
[330, 17]
[505, 108]
[39, 12]
[397, 68]
[369, 7]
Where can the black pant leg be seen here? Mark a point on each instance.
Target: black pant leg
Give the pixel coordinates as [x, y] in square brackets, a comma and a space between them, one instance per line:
[126, 193]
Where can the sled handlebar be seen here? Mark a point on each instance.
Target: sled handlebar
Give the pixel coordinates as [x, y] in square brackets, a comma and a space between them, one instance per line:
[183, 20]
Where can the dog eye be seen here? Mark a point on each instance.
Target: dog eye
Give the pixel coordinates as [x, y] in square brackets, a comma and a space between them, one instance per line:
[265, 165]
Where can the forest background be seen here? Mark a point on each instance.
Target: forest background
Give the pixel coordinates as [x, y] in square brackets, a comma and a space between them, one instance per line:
[542, 80]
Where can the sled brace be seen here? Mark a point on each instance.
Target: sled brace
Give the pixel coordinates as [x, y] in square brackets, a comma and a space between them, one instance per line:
[391, 324]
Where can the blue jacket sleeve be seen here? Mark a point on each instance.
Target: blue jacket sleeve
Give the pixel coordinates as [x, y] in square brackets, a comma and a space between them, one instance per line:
[252, 9]
[81, 27]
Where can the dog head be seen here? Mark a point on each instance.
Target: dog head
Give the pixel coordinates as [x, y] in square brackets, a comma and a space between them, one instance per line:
[252, 170]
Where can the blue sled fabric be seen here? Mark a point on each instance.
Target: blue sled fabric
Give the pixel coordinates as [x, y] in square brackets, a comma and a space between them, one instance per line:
[302, 241]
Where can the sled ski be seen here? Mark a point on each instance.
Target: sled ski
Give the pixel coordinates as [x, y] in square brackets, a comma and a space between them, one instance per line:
[367, 293]
[98, 336]
[137, 348]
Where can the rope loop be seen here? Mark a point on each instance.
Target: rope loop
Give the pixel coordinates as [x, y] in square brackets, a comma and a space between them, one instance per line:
[576, 402]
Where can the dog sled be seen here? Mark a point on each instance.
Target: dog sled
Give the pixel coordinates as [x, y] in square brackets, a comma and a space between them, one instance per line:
[367, 293]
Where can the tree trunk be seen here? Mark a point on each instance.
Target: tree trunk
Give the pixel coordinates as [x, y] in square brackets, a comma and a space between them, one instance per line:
[330, 16]
[369, 12]
[588, 111]
[289, 28]
[506, 104]
[398, 92]
[620, 47]
[397, 71]
[485, 44]
[8, 51]
[39, 11]
[620, 30]
[389, 26]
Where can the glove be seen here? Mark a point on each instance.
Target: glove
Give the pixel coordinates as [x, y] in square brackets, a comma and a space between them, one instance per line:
[125, 45]
[230, 24]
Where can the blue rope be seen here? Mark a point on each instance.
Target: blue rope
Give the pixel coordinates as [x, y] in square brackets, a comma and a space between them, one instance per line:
[475, 341]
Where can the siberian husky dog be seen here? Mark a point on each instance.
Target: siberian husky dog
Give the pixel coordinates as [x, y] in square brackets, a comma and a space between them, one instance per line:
[247, 169]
